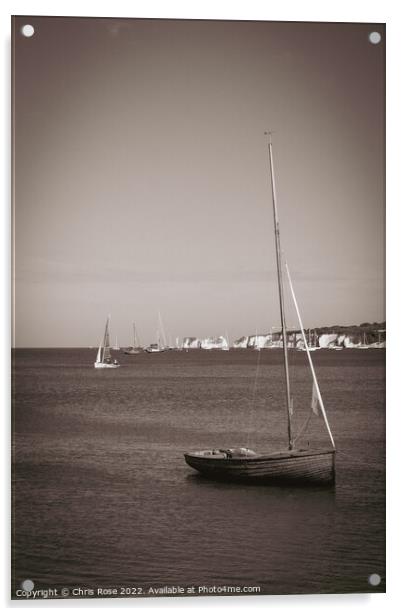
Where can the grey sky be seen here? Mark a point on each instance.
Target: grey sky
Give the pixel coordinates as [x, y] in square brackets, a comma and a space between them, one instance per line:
[142, 179]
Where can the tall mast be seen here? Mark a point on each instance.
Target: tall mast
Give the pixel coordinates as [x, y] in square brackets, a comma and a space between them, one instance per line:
[280, 287]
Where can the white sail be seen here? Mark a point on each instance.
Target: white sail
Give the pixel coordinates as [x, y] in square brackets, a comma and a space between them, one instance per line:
[104, 357]
[106, 342]
[99, 355]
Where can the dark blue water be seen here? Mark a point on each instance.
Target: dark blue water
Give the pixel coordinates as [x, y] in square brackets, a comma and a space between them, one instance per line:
[103, 497]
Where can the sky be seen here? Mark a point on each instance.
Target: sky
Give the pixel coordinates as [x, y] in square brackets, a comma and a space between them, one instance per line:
[142, 182]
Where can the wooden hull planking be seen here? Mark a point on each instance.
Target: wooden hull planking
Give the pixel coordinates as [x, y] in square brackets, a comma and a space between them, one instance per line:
[298, 466]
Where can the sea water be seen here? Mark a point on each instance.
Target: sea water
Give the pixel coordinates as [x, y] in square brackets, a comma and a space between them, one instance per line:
[103, 499]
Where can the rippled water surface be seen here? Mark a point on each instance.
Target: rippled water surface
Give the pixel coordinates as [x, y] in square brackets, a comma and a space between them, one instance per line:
[103, 497]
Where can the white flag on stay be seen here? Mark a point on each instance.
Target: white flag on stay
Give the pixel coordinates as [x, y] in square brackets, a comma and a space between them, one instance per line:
[315, 405]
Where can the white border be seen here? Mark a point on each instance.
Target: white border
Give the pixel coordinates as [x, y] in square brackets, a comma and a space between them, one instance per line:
[293, 10]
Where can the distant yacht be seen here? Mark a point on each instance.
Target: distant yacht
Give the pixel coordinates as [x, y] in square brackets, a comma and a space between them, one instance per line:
[156, 347]
[135, 349]
[178, 347]
[364, 344]
[161, 344]
[104, 357]
[116, 346]
[312, 342]
[380, 344]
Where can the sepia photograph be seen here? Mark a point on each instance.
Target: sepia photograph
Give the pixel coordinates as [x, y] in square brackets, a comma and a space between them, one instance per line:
[198, 289]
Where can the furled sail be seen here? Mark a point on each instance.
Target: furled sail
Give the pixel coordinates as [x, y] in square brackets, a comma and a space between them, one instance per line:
[315, 403]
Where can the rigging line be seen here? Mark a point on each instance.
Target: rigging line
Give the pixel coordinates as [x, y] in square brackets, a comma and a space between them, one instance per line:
[309, 359]
[304, 426]
[252, 402]
[280, 290]
[291, 356]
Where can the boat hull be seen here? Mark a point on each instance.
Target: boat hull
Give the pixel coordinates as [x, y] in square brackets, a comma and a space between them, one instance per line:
[283, 467]
[99, 364]
[150, 350]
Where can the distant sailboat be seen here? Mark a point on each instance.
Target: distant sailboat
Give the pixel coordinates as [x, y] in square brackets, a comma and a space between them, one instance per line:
[161, 343]
[104, 357]
[256, 346]
[116, 346]
[157, 347]
[380, 344]
[364, 344]
[179, 346]
[136, 348]
[312, 342]
[291, 464]
[258, 341]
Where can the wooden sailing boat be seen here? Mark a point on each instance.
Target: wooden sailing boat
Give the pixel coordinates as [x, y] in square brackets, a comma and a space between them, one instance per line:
[135, 349]
[291, 464]
[104, 357]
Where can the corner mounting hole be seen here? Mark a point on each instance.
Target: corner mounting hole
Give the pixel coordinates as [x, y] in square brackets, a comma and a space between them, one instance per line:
[374, 579]
[374, 38]
[27, 585]
[28, 30]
